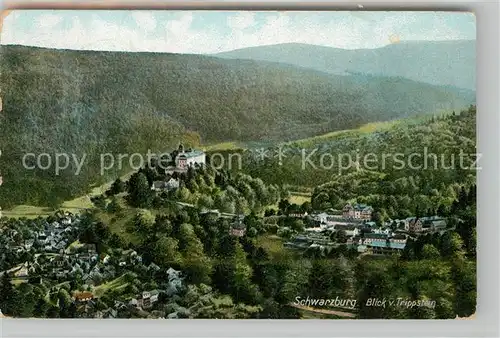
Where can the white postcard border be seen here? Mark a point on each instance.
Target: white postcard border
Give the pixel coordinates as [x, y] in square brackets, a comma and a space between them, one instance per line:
[486, 322]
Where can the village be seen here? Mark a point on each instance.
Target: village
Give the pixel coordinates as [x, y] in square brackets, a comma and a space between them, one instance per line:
[49, 252]
[354, 228]
[351, 227]
[51, 255]
[63, 253]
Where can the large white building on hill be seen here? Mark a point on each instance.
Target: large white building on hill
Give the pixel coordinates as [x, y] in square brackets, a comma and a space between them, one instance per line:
[188, 158]
[183, 159]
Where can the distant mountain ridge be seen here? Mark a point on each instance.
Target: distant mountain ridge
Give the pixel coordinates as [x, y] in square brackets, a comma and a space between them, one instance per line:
[448, 63]
[221, 99]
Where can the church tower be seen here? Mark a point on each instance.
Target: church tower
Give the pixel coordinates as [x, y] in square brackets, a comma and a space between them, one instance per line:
[181, 148]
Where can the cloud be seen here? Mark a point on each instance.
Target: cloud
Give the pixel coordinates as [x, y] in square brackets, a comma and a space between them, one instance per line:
[281, 28]
[145, 20]
[181, 32]
[8, 31]
[48, 20]
[181, 25]
[241, 21]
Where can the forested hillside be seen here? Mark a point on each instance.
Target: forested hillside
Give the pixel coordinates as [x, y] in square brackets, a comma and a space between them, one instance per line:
[220, 99]
[83, 102]
[421, 170]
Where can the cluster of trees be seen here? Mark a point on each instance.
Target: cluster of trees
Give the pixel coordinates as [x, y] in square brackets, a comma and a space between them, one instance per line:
[231, 277]
[214, 264]
[435, 267]
[287, 208]
[168, 241]
[235, 277]
[449, 284]
[29, 300]
[403, 192]
[463, 238]
[203, 187]
[377, 149]
[57, 110]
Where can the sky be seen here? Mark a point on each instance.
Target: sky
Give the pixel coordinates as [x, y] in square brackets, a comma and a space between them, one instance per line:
[205, 32]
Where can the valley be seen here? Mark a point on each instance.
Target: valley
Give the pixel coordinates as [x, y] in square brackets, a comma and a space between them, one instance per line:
[245, 243]
[291, 181]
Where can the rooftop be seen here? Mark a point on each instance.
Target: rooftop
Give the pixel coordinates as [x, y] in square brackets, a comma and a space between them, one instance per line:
[192, 153]
[158, 184]
[83, 295]
[431, 218]
[376, 235]
[358, 206]
[391, 245]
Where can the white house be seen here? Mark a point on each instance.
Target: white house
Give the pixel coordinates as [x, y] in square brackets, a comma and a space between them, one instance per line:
[398, 240]
[188, 158]
[146, 299]
[357, 211]
[321, 217]
[22, 272]
[172, 184]
[352, 232]
[67, 221]
[385, 231]
[106, 259]
[325, 220]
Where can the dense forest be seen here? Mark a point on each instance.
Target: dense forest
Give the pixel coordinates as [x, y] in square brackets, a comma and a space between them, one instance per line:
[238, 277]
[82, 102]
[439, 267]
[395, 188]
[254, 276]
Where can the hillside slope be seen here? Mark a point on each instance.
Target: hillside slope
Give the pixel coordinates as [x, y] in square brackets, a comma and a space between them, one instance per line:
[398, 166]
[220, 99]
[436, 62]
[84, 102]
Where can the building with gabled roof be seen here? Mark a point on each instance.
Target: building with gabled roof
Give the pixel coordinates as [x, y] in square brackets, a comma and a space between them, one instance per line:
[433, 223]
[385, 247]
[414, 224]
[84, 296]
[357, 211]
[185, 158]
[146, 299]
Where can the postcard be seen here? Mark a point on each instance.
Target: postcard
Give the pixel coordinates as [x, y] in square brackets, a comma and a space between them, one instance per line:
[238, 165]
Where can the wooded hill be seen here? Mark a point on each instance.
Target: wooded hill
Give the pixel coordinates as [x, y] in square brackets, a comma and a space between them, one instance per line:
[98, 102]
